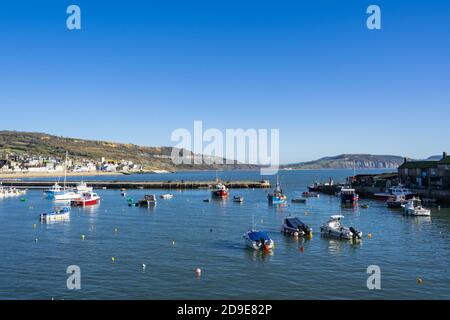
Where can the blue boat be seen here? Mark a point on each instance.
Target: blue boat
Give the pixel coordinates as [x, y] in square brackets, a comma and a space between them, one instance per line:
[259, 240]
[277, 197]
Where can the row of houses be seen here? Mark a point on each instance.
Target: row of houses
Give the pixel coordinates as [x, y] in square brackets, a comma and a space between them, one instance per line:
[32, 164]
[428, 174]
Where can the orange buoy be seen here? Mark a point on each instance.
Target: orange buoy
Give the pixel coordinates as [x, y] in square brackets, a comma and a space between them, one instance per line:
[302, 249]
[369, 236]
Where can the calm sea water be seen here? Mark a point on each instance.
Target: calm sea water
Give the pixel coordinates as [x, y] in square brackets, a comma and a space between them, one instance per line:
[184, 233]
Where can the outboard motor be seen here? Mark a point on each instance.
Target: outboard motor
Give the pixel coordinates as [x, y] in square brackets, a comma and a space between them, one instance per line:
[307, 230]
[356, 233]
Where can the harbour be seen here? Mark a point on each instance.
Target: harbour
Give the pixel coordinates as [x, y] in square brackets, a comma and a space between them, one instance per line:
[193, 248]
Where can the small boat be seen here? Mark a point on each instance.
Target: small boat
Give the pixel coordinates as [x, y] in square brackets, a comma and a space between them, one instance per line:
[349, 196]
[56, 189]
[333, 228]
[365, 206]
[396, 202]
[206, 200]
[277, 197]
[310, 194]
[220, 192]
[299, 200]
[86, 199]
[148, 201]
[393, 192]
[56, 215]
[66, 196]
[238, 199]
[295, 227]
[82, 187]
[167, 196]
[414, 208]
[259, 240]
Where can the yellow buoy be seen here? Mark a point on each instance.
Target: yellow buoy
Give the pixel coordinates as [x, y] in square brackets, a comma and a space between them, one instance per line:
[113, 259]
[34, 226]
[82, 237]
[420, 281]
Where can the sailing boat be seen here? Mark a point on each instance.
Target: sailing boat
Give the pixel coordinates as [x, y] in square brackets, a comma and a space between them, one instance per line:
[277, 197]
[64, 194]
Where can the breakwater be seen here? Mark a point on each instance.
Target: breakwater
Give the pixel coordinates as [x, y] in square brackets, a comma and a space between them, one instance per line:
[170, 185]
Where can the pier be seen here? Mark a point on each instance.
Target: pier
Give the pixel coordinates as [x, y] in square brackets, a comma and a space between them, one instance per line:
[170, 185]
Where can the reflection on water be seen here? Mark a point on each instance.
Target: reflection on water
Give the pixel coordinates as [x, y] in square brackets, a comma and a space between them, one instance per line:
[259, 255]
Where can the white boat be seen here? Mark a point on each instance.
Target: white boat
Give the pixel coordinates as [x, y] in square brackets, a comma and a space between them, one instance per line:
[11, 192]
[414, 208]
[67, 196]
[394, 192]
[167, 196]
[334, 228]
[58, 214]
[259, 240]
[82, 187]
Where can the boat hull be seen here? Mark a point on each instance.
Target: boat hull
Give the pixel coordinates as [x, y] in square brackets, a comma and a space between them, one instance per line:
[84, 203]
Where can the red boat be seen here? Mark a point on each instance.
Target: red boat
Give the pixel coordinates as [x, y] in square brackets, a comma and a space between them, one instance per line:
[87, 199]
[221, 192]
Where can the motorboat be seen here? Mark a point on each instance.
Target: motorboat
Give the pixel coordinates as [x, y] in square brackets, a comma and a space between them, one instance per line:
[259, 240]
[220, 192]
[310, 194]
[295, 227]
[148, 201]
[56, 189]
[57, 214]
[82, 187]
[396, 202]
[299, 200]
[238, 199]
[167, 196]
[67, 196]
[334, 229]
[414, 208]
[395, 191]
[349, 196]
[86, 199]
[277, 196]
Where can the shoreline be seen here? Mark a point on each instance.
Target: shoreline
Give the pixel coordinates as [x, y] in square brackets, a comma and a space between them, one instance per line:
[14, 176]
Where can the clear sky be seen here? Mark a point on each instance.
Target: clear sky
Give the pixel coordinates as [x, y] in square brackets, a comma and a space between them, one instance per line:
[140, 69]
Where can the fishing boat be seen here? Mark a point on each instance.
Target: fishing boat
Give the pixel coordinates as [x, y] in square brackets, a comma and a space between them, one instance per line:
[86, 199]
[148, 201]
[167, 196]
[334, 229]
[259, 240]
[349, 196]
[396, 202]
[295, 227]
[414, 208]
[277, 197]
[57, 214]
[238, 199]
[220, 192]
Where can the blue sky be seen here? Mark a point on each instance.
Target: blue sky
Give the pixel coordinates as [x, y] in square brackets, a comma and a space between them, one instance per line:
[140, 69]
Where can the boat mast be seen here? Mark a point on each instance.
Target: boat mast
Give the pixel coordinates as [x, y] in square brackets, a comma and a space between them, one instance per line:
[65, 170]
